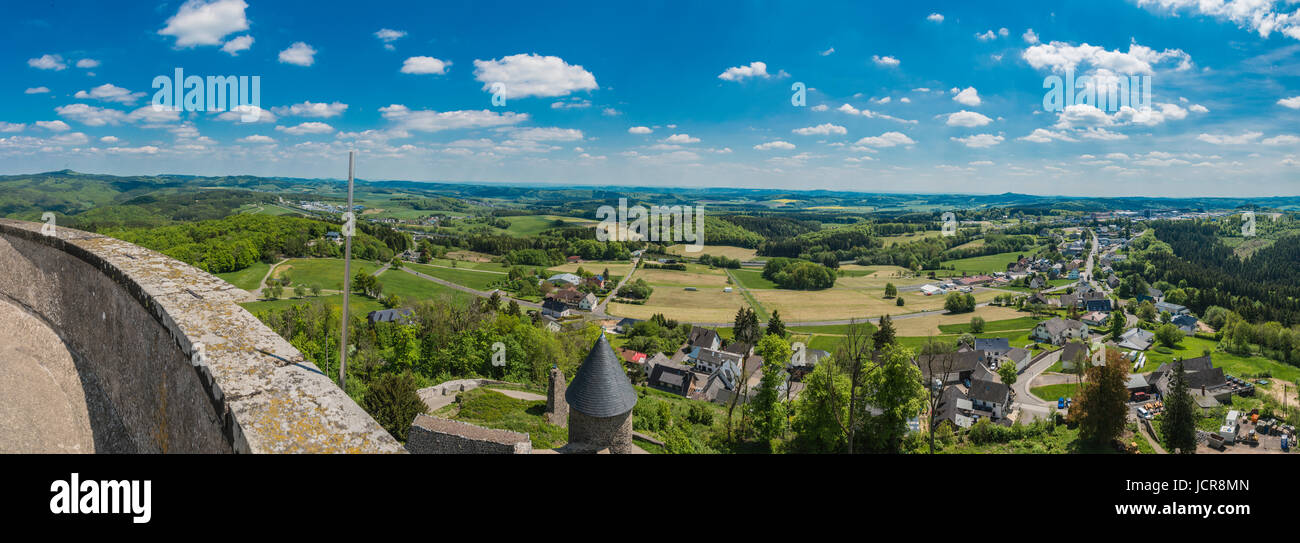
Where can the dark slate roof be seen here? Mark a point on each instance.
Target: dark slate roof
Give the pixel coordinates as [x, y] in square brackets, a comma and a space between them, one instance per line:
[988, 391]
[1072, 350]
[554, 305]
[738, 347]
[701, 337]
[998, 345]
[601, 388]
[389, 315]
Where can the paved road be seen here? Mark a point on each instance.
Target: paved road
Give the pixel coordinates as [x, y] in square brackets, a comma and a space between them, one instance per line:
[600, 308]
[1032, 406]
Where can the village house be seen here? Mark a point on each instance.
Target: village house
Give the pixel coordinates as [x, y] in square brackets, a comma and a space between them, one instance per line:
[990, 396]
[588, 302]
[708, 360]
[555, 308]
[704, 338]
[672, 377]
[1137, 339]
[1058, 331]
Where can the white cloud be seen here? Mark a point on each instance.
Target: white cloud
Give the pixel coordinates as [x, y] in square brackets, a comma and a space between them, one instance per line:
[778, 144]
[575, 103]
[110, 93]
[885, 61]
[313, 127]
[154, 118]
[53, 126]
[681, 138]
[968, 96]
[12, 127]
[1292, 102]
[1030, 37]
[424, 65]
[1254, 15]
[142, 150]
[639, 130]
[1224, 139]
[533, 75]
[234, 46]
[47, 62]
[1139, 60]
[888, 139]
[1043, 135]
[299, 54]
[109, 139]
[548, 134]
[37, 90]
[1198, 108]
[846, 108]
[935, 18]
[820, 107]
[988, 35]
[388, 36]
[436, 121]
[91, 115]
[312, 109]
[824, 129]
[237, 114]
[979, 141]
[200, 22]
[257, 138]
[1282, 139]
[87, 63]
[967, 119]
[827, 52]
[741, 73]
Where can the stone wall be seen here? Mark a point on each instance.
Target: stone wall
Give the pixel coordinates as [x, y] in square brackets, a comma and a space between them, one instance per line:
[132, 319]
[443, 394]
[557, 408]
[433, 435]
[601, 432]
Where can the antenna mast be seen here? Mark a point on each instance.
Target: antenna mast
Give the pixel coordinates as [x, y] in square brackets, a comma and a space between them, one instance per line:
[349, 220]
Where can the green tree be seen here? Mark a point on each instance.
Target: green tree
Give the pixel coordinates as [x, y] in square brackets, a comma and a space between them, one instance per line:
[766, 407]
[977, 325]
[1007, 372]
[1101, 410]
[315, 290]
[1169, 335]
[884, 334]
[899, 302]
[1179, 428]
[393, 402]
[894, 388]
[958, 302]
[890, 290]
[774, 325]
[1117, 322]
[1146, 311]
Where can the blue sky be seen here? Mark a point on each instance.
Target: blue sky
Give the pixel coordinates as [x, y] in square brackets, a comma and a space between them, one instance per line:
[901, 97]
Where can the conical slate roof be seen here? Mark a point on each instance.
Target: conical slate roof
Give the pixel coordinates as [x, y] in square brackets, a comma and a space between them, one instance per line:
[601, 387]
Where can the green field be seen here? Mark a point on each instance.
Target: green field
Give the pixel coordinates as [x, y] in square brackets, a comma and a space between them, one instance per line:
[493, 409]
[752, 279]
[357, 305]
[248, 278]
[412, 288]
[983, 264]
[1022, 323]
[477, 280]
[1053, 392]
[325, 272]
[1192, 347]
[531, 225]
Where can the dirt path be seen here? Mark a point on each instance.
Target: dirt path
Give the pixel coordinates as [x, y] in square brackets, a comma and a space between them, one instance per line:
[519, 394]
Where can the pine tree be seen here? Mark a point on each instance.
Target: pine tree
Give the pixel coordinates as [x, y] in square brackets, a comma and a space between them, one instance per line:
[1179, 428]
[1102, 407]
[775, 326]
[885, 334]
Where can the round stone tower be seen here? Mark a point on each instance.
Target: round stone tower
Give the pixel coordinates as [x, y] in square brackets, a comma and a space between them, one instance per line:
[600, 401]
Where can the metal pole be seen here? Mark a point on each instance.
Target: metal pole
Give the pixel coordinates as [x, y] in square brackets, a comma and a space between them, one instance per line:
[347, 278]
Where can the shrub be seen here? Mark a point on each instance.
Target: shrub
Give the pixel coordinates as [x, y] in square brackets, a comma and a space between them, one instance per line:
[393, 402]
